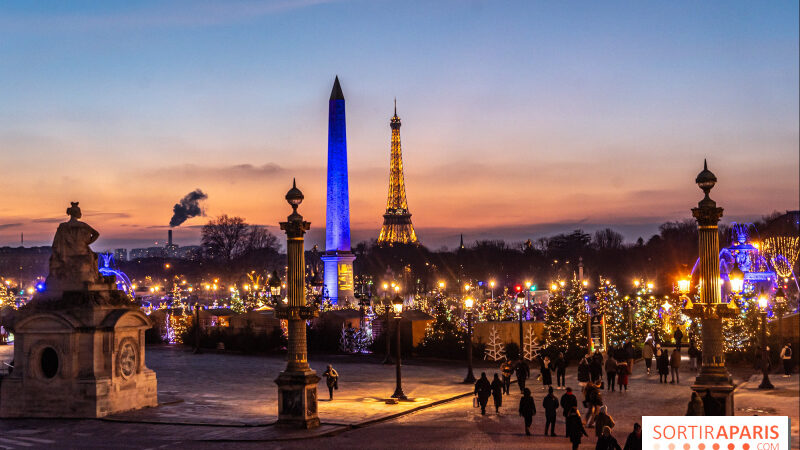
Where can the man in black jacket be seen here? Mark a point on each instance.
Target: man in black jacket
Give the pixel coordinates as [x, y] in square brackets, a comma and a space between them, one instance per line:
[568, 401]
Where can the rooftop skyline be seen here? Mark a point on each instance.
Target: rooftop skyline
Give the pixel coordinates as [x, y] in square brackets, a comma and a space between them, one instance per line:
[521, 119]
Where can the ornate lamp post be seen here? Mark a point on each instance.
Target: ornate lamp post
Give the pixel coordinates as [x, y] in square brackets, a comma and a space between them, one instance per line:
[713, 375]
[491, 285]
[397, 305]
[297, 384]
[520, 301]
[468, 302]
[765, 383]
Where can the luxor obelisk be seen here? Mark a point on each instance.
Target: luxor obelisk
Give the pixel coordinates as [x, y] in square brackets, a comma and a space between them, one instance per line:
[338, 258]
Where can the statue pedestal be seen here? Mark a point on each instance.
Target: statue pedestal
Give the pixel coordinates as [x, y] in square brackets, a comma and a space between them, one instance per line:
[78, 354]
[297, 399]
[718, 381]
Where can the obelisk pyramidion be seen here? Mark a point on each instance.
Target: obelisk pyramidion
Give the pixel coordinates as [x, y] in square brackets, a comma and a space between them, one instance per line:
[338, 258]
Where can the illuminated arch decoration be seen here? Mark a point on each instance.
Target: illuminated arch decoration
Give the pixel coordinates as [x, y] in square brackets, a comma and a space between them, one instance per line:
[123, 282]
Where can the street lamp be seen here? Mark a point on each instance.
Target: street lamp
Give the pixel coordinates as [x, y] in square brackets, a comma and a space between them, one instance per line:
[520, 300]
[397, 304]
[468, 302]
[491, 285]
[736, 277]
[765, 383]
[387, 323]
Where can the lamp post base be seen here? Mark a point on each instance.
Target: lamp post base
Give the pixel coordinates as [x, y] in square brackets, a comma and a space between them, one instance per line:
[297, 399]
[765, 382]
[398, 394]
[470, 378]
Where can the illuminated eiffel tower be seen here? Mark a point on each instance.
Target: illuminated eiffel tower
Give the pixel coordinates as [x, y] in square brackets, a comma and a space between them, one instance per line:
[397, 227]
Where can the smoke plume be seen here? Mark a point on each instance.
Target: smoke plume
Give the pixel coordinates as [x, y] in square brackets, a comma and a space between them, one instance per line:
[189, 206]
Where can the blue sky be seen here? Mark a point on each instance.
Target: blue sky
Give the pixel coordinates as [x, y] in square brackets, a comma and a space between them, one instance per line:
[516, 115]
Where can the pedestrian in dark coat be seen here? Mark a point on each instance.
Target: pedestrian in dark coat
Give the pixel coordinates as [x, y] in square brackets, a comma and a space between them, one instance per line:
[568, 401]
[695, 406]
[622, 375]
[547, 377]
[483, 389]
[711, 406]
[647, 353]
[606, 441]
[575, 429]
[497, 393]
[629, 354]
[604, 420]
[611, 371]
[527, 409]
[634, 441]
[550, 404]
[331, 380]
[508, 369]
[678, 335]
[583, 372]
[523, 372]
[675, 366]
[662, 364]
[561, 370]
[596, 366]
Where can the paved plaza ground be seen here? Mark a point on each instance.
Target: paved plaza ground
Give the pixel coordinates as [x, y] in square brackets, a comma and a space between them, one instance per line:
[229, 401]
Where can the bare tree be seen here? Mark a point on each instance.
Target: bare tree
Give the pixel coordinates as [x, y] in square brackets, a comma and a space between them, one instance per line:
[225, 237]
[607, 239]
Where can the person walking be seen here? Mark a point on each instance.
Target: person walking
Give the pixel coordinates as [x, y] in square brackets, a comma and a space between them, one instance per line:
[547, 376]
[695, 406]
[629, 354]
[568, 402]
[497, 393]
[507, 369]
[606, 441]
[483, 389]
[786, 359]
[662, 364]
[623, 371]
[692, 355]
[561, 370]
[647, 353]
[550, 405]
[596, 366]
[583, 372]
[611, 371]
[527, 409]
[678, 336]
[675, 366]
[634, 441]
[331, 380]
[603, 420]
[523, 372]
[575, 429]
[593, 401]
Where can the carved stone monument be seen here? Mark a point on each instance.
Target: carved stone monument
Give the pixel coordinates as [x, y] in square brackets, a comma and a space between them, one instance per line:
[79, 348]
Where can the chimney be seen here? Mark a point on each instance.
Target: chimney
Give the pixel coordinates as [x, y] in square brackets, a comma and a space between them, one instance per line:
[169, 238]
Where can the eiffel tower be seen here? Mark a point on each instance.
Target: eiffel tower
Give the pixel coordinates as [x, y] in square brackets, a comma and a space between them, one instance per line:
[397, 227]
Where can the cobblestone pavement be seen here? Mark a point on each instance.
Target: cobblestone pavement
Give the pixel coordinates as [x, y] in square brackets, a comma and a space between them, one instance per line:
[231, 390]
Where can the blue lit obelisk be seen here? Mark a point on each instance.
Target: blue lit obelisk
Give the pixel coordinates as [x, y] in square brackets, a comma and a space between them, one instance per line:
[337, 258]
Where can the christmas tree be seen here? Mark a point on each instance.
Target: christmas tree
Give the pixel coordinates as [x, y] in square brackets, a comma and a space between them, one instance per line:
[611, 306]
[566, 316]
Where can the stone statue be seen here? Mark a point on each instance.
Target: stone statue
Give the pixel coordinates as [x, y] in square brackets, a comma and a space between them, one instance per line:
[73, 264]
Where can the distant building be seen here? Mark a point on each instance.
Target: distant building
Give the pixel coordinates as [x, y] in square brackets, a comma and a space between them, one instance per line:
[120, 254]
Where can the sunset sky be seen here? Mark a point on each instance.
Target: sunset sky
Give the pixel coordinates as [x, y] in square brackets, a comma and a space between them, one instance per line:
[520, 119]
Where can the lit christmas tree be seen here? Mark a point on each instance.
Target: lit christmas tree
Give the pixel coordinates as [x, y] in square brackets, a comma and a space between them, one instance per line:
[237, 303]
[612, 306]
[565, 317]
[6, 299]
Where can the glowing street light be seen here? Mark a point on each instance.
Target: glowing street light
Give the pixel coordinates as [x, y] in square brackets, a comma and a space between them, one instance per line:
[397, 305]
[736, 277]
[684, 284]
[470, 378]
[765, 382]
